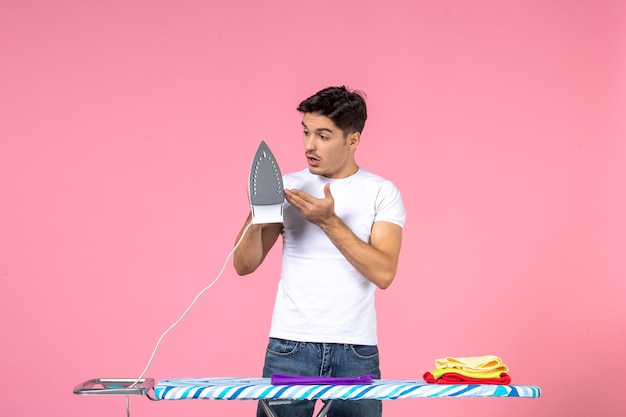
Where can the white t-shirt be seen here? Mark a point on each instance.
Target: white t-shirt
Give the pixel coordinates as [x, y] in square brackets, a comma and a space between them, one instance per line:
[321, 297]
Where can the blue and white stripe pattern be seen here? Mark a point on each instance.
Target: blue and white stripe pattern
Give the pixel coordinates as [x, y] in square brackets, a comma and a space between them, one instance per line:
[261, 388]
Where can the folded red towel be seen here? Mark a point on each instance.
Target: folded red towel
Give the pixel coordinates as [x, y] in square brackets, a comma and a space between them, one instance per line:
[454, 378]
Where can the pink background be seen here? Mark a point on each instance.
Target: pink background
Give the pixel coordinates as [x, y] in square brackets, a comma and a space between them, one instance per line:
[127, 129]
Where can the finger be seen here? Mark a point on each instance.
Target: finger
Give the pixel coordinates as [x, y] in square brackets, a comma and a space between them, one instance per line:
[294, 199]
[300, 196]
[327, 193]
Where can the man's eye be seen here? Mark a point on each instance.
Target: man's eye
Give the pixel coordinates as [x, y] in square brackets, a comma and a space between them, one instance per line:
[305, 133]
[324, 137]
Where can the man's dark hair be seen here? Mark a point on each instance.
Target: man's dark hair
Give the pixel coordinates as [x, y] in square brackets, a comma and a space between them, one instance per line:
[345, 108]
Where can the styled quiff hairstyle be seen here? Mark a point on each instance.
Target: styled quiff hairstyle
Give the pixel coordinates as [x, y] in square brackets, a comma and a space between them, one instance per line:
[345, 108]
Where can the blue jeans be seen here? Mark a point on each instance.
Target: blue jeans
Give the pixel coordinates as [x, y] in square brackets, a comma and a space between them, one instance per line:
[322, 359]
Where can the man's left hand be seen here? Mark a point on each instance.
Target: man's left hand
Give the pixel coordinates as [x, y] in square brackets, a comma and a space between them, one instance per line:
[315, 210]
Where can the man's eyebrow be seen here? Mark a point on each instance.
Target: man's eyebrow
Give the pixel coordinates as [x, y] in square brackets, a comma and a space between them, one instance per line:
[321, 129]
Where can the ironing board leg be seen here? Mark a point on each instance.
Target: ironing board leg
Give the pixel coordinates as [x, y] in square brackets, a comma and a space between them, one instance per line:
[270, 413]
[267, 408]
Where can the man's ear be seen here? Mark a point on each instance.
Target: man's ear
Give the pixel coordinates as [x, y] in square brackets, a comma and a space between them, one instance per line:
[354, 139]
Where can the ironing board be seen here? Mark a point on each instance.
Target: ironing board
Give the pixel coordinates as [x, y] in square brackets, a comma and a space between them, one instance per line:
[380, 389]
[261, 389]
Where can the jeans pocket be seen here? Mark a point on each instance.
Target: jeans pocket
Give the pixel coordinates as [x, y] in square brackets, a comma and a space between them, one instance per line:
[281, 347]
[364, 351]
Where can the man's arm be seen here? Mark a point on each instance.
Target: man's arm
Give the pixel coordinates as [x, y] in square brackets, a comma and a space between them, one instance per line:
[255, 245]
[376, 260]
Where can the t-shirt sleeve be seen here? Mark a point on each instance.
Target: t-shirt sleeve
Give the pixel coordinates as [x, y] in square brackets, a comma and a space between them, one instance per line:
[389, 205]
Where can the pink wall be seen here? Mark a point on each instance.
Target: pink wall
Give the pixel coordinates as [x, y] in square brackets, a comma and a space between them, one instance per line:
[127, 129]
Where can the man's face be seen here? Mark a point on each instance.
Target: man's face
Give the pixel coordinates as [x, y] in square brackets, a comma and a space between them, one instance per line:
[329, 153]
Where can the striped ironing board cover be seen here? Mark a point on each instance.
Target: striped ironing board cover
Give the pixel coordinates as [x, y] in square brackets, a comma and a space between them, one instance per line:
[262, 389]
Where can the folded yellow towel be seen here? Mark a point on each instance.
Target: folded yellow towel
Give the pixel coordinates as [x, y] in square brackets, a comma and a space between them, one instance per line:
[487, 363]
[438, 373]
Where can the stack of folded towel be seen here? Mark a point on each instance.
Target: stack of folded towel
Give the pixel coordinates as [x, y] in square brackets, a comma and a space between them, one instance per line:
[488, 369]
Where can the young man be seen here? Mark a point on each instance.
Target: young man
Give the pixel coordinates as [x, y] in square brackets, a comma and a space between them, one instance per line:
[342, 231]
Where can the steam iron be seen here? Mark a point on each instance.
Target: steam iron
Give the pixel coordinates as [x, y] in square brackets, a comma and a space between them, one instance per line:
[265, 187]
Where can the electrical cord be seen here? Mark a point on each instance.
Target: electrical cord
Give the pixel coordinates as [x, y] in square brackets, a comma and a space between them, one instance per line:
[156, 347]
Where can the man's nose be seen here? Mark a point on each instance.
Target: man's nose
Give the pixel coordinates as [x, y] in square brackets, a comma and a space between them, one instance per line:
[309, 143]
